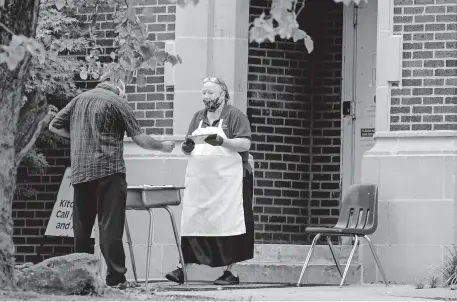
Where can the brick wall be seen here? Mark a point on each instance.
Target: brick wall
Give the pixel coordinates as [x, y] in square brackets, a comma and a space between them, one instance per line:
[294, 109]
[426, 98]
[31, 215]
[153, 104]
[153, 107]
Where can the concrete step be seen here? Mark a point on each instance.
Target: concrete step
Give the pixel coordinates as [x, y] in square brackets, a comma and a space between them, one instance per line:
[283, 273]
[276, 263]
[288, 253]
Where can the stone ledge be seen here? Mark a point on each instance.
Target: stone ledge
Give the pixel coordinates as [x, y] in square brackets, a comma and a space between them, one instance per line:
[414, 143]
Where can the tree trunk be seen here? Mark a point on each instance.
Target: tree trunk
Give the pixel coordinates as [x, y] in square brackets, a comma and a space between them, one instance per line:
[21, 18]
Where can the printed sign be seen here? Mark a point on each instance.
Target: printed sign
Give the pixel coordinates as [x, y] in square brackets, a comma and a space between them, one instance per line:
[367, 132]
[61, 220]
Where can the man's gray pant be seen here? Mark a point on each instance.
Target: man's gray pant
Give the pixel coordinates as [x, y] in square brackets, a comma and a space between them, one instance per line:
[106, 197]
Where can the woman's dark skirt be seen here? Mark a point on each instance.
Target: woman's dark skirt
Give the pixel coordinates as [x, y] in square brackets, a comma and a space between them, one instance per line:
[226, 250]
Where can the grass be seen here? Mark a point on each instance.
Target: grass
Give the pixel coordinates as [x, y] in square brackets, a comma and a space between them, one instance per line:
[419, 284]
[433, 281]
[449, 268]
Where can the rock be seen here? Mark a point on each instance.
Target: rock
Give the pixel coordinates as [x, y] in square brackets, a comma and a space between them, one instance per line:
[74, 274]
[22, 266]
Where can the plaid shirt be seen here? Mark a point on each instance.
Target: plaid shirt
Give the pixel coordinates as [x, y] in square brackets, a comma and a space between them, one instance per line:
[97, 120]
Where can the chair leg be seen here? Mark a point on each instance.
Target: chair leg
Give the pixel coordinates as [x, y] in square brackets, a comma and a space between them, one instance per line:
[330, 244]
[148, 253]
[308, 257]
[178, 242]
[375, 256]
[129, 242]
[348, 264]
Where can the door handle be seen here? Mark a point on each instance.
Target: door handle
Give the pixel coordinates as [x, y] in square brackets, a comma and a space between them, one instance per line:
[346, 108]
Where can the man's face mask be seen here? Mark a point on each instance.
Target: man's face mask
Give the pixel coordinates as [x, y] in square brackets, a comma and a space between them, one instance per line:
[212, 104]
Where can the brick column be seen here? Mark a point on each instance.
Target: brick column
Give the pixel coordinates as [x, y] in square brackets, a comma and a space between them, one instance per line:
[415, 156]
[212, 39]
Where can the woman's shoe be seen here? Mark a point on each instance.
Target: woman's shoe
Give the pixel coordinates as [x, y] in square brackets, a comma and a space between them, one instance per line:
[176, 276]
[227, 279]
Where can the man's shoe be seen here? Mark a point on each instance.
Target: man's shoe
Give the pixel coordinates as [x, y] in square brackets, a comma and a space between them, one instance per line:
[227, 279]
[176, 276]
[124, 285]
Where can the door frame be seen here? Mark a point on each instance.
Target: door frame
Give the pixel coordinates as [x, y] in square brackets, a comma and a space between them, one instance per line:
[350, 89]
[348, 94]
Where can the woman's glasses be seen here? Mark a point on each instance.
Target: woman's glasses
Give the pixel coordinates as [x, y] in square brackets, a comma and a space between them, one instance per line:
[217, 81]
[214, 80]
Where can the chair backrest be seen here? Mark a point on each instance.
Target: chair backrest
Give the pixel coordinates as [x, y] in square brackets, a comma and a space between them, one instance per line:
[359, 209]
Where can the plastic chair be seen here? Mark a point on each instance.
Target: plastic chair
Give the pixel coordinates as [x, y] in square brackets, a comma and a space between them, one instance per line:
[358, 218]
[148, 198]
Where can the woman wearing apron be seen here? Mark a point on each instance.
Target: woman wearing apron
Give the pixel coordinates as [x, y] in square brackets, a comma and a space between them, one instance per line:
[217, 225]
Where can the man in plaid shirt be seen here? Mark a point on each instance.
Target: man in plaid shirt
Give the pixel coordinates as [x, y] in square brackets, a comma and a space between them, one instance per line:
[95, 121]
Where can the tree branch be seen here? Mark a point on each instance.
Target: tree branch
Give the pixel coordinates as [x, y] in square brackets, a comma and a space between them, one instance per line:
[45, 121]
[301, 7]
[6, 28]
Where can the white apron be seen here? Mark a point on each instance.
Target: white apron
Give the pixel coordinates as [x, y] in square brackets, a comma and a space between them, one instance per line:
[213, 198]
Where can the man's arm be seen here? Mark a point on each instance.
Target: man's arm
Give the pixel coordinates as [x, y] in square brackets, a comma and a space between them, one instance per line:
[60, 125]
[61, 132]
[147, 142]
[133, 130]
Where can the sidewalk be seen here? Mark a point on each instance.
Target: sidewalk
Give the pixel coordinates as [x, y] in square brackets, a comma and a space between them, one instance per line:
[312, 293]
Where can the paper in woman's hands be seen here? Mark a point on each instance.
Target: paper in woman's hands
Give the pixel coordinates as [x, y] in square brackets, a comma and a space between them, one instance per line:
[199, 139]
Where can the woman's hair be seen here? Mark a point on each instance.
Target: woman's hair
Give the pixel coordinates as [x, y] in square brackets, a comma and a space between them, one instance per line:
[221, 83]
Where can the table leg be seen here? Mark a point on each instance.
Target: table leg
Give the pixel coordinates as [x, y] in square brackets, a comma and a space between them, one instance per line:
[178, 242]
[149, 245]
[129, 242]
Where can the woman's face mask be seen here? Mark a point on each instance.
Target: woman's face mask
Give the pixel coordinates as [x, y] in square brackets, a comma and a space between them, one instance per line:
[212, 97]
[212, 104]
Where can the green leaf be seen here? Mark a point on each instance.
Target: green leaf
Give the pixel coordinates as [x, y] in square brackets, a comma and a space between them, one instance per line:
[19, 53]
[173, 60]
[60, 4]
[125, 62]
[141, 80]
[16, 41]
[179, 59]
[3, 57]
[147, 50]
[83, 74]
[113, 55]
[122, 32]
[151, 63]
[144, 30]
[95, 75]
[130, 14]
[136, 63]
[309, 44]
[298, 35]
[2, 3]
[129, 77]
[12, 62]
[137, 33]
[161, 56]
